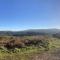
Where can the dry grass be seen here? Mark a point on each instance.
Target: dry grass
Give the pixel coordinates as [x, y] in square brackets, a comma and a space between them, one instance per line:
[31, 53]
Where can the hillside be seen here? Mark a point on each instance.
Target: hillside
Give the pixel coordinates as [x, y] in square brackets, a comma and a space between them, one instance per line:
[30, 32]
[40, 44]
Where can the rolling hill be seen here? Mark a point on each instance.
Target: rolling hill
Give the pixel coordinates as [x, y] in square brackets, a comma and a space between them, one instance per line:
[31, 32]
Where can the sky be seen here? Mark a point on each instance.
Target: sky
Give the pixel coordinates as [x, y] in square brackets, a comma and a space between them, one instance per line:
[29, 14]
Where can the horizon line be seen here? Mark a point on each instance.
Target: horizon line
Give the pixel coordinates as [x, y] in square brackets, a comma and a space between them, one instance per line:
[25, 29]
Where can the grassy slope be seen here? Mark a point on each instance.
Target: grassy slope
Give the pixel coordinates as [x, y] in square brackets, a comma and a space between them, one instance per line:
[26, 54]
[54, 43]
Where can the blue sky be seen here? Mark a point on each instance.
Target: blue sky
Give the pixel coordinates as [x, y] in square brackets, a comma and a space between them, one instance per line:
[29, 14]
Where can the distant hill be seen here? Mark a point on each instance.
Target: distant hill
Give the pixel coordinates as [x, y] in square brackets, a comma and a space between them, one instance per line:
[31, 32]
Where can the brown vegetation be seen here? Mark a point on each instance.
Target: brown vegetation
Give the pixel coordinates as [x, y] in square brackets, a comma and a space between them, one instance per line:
[20, 42]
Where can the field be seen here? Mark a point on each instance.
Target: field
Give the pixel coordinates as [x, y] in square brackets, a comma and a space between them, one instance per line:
[49, 50]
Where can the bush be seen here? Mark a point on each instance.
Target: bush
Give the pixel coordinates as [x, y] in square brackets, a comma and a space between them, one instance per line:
[24, 42]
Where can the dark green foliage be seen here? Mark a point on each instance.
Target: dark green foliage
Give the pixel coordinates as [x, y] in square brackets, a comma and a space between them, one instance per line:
[57, 35]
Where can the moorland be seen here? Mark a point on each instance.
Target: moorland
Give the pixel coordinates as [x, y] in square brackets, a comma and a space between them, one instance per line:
[33, 44]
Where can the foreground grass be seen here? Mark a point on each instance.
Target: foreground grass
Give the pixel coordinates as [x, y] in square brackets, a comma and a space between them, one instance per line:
[29, 52]
[23, 54]
[54, 43]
